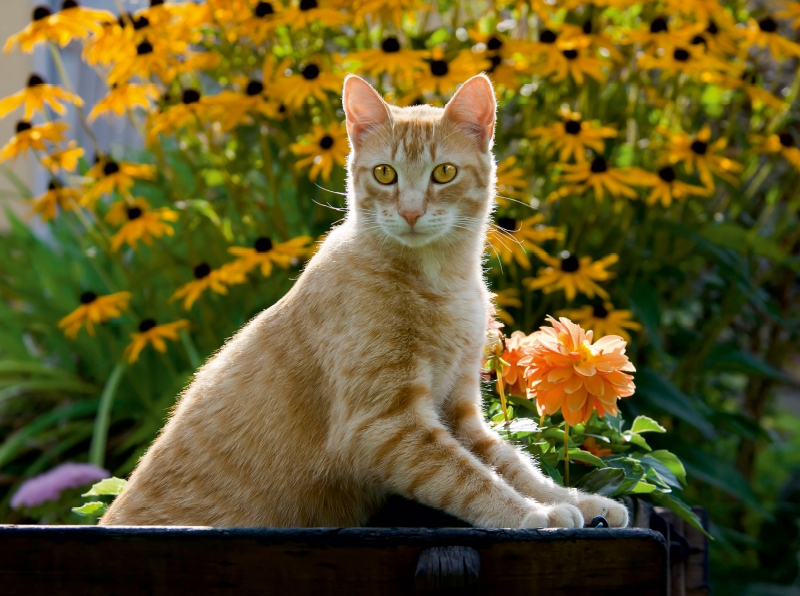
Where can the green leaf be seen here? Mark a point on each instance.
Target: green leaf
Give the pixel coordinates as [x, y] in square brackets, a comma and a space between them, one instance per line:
[523, 403]
[602, 481]
[643, 424]
[661, 393]
[91, 509]
[586, 457]
[110, 486]
[679, 508]
[729, 358]
[552, 472]
[642, 488]
[672, 462]
[643, 300]
[658, 471]
[637, 440]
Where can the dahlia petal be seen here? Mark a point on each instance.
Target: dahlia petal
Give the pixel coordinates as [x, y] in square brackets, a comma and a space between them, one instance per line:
[609, 343]
[552, 400]
[585, 368]
[575, 401]
[558, 375]
[572, 384]
[617, 378]
[594, 385]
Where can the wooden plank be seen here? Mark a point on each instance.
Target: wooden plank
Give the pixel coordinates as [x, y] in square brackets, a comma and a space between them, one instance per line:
[69, 560]
[697, 567]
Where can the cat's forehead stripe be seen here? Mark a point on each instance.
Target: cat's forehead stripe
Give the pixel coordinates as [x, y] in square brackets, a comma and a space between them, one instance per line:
[414, 140]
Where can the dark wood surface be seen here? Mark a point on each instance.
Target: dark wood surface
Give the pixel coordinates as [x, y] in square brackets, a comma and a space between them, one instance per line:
[56, 560]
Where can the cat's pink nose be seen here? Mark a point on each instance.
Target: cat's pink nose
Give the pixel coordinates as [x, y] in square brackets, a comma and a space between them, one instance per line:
[411, 216]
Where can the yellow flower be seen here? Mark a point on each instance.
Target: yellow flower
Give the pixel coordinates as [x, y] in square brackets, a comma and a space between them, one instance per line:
[124, 97]
[265, 17]
[323, 148]
[575, 62]
[666, 186]
[701, 10]
[572, 275]
[72, 22]
[764, 33]
[718, 34]
[56, 196]
[150, 59]
[311, 81]
[692, 60]
[442, 76]
[65, 159]
[204, 278]
[603, 319]
[698, 152]
[153, 334]
[572, 136]
[510, 238]
[139, 222]
[324, 12]
[598, 176]
[504, 298]
[389, 10]
[110, 175]
[389, 58]
[36, 96]
[782, 144]
[93, 310]
[512, 182]
[790, 10]
[193, 110]
[232, 108]
[502, 59]
[265, 254]
[108, 44]
[658, 33]
[31, 137]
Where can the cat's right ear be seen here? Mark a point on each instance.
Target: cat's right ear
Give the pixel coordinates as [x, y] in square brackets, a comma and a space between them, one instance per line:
[364, 108]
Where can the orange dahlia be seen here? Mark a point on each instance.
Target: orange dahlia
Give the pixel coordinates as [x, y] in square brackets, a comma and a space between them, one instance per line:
[566, 371]
[513, 374]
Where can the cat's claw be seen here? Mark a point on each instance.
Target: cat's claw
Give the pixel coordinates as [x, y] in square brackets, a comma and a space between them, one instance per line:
[592, 505]
[562, 515]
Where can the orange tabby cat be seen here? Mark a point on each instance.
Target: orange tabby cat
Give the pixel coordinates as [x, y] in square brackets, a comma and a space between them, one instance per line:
[364, 379]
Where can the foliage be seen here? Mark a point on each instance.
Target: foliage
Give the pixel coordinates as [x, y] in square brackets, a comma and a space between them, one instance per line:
[647, 187]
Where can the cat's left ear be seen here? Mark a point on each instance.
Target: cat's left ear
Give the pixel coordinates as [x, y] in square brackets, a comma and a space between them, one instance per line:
[364, 108]
[473, 107]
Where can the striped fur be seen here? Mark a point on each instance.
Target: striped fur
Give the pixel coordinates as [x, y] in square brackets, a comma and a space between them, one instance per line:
[364, 379]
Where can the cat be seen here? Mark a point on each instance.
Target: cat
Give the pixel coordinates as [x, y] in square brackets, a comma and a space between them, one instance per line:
[364, 380]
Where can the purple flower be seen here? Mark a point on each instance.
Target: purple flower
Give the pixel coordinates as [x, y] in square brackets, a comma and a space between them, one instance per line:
[48, 486]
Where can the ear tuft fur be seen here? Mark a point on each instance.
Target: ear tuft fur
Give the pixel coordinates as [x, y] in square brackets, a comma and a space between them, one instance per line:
[364, 108]
[473, 107]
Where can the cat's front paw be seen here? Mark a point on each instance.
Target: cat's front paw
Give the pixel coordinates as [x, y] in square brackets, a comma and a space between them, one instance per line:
[562, 515]
[615, 513]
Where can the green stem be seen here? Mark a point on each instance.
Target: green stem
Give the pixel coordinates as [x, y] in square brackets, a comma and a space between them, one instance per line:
[97, 450]
[191, 350]
[566, 454]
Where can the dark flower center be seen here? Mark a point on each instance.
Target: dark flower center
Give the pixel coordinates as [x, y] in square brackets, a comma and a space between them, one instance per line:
[264, 9]
[494, 44]
[712, 28]
[786, 139]
[41, 12]
[496, 61]
[439, 68]
[700, 147]
[52, 186]
[667, 174]
[201, 271]
[67, 4]
[599, 311]
[124, 18]
[698, 40]
[768, 25]
[110, 168]
[282, 109]
[156, 3]
[310, 72]
[141, 23]
[147, 325]
[308, 4]
[390, 45]
[326, 142]
[547, 36]
[587, 27]
[570, 264]
[88, 297]
[572, 127]
[599, 165]
[255, 88]
[22, 126]
[144, 48]
[263, 244]
[659, 25]
[190, 96]
[35, 81]
[134, 213]
[680, 55]
[570, 54]
[507, 223]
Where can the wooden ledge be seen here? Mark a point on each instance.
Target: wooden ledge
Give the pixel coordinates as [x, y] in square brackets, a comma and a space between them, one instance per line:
[385, 561]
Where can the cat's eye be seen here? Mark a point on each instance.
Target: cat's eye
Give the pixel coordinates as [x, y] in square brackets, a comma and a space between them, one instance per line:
[444, 172]
[385, 174]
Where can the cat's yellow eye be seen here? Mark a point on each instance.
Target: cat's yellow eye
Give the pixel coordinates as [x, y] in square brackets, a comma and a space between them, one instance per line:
[385, 174]
[444, 172]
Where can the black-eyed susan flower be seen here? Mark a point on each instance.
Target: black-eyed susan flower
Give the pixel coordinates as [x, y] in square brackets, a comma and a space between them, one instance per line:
[790, 10]
[30, 137]
[327, 13]
[572, 275]
[443, 75]
[700, 152]
[205, 278]
[598, 176]
[598, 38]
[545, 53]
[151, 58]
[658, 33]
[502, 58]
[389, 10]
[64, 159]
[573, 135]
[265, 254]
[688, 59]
[777, 144]
[311, 81]
[701, 10]
[154, 334]
[718, 34]
[110, 175]
[36, 95]
[390, 58]
[124, 97]
[510, 238]
[262, 22]
[512, 182]
[764, 33]
[57, 195]
[573, 61]
[508, 297]
[322, 148]
[193, 109]
[108, 44]
[139, 221]
[666, 187]
[72, 22]
[94, 310]
[232, 108]
[603, 319]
